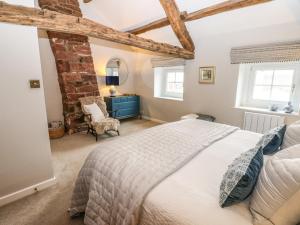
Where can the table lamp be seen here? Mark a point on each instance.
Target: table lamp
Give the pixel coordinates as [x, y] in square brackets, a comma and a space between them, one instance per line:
[112, 81]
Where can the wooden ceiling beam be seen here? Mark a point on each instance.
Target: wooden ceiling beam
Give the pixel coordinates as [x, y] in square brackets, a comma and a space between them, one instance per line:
[208, 11]
[177, 24]
[155, 25]
[54, 21]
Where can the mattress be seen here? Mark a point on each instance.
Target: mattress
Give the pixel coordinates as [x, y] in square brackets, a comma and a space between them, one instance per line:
[190, 196]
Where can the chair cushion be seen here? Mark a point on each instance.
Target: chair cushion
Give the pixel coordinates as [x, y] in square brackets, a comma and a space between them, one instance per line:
[240, 178]
[292, 135]
[106, 124]
[276, 197]
[271, 141]
[96, 113]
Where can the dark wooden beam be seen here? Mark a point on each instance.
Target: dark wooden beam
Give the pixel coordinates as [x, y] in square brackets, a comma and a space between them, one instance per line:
[177, 24]
[54, 21]
[209, 11]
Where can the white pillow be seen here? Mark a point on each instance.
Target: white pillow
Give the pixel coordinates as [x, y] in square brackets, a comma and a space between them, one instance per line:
[276, 197]
[292, 135]
[95, 111]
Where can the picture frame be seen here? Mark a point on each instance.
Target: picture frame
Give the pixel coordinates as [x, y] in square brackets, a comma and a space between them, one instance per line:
[207, 75]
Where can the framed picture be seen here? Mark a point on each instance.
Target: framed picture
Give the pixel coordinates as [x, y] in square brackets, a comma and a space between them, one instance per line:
[207, 75]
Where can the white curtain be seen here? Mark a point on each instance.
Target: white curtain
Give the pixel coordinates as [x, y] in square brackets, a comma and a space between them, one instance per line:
[167, 62]
[278, 52]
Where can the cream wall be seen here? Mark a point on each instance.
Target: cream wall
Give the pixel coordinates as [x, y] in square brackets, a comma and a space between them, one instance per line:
[53, 96]
[25, 155]
[218, 99]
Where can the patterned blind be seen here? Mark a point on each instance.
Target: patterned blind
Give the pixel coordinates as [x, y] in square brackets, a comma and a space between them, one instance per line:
[279, 52]
[167, 62]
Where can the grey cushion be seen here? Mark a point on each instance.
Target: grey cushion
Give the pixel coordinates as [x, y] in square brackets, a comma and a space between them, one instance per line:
[240, 178]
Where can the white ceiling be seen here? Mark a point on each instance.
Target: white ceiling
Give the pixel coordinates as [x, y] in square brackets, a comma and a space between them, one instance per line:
[126, 14]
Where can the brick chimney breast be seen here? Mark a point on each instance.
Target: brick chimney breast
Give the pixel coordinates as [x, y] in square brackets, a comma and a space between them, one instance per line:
[75, 66]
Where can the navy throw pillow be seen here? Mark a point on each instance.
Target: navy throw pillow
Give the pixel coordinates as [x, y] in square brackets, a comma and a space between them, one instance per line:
[241, 177]
[271, 141]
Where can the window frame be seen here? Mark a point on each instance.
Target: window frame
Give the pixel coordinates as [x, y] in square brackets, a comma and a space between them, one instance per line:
[170, 93]
[249, 75]
[161, 77]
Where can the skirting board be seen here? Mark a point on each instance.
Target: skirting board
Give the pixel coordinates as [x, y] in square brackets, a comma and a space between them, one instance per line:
[26, 191]
[153, 119]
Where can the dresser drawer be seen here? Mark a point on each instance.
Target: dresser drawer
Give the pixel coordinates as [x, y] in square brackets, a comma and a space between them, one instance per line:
[125, 99]
[133, 98]
[122, 107]
[125, 113]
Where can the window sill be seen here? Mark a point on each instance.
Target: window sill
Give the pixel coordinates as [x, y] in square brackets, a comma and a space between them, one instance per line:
[279, 113]
[169, 98]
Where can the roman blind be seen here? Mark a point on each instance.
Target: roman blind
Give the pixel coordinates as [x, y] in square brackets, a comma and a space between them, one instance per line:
[278, 52]
[167, 62]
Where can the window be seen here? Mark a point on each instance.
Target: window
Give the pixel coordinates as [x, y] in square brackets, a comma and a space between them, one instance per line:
[267, 84]
[273, 85]
[112, 71]
[174, 84]
[168, 82]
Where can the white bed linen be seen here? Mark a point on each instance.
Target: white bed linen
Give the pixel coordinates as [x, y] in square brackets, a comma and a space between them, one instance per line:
[190, 196]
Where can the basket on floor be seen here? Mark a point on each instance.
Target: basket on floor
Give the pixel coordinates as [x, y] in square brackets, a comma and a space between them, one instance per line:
[56, 129]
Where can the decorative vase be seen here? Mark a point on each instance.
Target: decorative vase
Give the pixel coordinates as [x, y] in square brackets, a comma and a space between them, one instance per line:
[274, 108]
[289, 108]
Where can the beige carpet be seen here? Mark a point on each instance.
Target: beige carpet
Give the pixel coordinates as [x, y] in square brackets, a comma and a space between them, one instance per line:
[49, 207]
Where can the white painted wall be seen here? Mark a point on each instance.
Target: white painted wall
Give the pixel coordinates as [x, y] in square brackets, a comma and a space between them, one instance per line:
[25, 155]
[53, 96]
[218, 99]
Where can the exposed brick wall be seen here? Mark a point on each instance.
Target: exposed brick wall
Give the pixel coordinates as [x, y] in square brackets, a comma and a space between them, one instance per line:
[75, 67]
[70, 7]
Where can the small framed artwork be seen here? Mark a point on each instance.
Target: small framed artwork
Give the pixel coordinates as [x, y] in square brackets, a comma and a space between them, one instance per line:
[207, 75]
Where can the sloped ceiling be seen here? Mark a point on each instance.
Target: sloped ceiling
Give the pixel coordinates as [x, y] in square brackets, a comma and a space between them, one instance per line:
[127, 14]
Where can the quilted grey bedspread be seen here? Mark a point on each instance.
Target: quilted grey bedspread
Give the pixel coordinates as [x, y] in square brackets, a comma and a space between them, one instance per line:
[117, 176]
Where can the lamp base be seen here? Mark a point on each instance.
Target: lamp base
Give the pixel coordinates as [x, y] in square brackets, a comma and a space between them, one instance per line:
[112, 91]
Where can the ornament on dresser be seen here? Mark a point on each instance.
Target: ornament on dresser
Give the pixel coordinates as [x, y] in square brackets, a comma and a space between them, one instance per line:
[274, 108]
[288, 108]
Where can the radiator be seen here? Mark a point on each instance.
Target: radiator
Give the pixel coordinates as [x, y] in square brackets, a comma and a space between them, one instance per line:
[261, 123]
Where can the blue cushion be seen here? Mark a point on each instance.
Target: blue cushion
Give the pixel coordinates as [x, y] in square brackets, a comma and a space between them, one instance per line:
[240, 178]
[272, 140]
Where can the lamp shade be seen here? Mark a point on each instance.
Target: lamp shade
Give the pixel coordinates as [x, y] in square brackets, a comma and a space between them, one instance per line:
[112, 80]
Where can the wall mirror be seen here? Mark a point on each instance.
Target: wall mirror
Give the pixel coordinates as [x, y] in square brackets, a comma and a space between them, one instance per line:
[117, 67]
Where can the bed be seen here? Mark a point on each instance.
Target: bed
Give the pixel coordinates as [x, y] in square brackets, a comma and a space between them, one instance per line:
[117, 186]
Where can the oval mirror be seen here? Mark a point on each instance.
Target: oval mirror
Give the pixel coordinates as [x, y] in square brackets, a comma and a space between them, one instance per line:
[117, 67]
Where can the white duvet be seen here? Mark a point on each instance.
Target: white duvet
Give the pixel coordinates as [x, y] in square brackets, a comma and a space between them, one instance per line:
[118, 175]
[190, 196]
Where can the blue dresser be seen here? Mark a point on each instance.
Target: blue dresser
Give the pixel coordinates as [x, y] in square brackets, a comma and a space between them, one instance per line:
[121, 107]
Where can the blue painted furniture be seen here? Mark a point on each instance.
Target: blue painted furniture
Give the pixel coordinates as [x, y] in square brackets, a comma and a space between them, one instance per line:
[121, 107]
